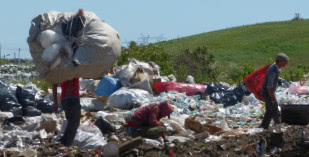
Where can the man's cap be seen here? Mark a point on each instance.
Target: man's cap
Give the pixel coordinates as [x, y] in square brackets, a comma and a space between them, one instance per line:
[282, 57]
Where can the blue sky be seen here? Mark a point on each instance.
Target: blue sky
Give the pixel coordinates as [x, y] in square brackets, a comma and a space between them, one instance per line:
[134, 19]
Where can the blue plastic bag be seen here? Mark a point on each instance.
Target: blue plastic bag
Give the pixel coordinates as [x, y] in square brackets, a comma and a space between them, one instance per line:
[107, 86]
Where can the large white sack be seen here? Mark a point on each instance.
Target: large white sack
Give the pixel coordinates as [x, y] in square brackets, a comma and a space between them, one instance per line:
[125, 73]
[98, 49]
[148, 69]
[49, 37]
[124, 98]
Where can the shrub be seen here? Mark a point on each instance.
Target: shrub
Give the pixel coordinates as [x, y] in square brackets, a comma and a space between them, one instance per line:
[236, 73]
[148, 53]
[296, 74]
[199, 63]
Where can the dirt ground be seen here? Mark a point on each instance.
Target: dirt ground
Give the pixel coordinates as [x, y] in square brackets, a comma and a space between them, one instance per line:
[244, 145]
[291, 145]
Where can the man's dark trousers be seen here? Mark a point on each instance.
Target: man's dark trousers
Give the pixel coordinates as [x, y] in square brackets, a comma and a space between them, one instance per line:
[272, 112]
[72, 109]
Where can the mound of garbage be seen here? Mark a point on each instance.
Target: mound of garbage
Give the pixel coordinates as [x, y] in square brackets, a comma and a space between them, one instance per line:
[206, 114]
[18, 72]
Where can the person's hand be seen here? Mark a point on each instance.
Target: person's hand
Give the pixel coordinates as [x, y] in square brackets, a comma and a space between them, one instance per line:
[161, 124]
[274, 102]
[55, 107]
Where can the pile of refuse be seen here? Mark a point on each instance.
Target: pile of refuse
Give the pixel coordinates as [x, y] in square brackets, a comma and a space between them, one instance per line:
[207, 112]
[23, 100]
[18, 72]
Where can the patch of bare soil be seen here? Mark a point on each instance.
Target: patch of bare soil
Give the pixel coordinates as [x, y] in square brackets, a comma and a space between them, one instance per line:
[291, 145]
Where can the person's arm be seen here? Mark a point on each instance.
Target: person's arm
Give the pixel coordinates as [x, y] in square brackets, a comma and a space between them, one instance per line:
[55, 107]
[272, 95]
[152, 121]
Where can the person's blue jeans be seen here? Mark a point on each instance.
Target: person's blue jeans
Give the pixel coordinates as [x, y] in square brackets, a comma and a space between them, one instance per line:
[272, 112]
[72, 109]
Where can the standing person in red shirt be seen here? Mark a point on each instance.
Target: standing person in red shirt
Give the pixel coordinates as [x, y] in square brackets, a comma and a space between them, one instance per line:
[70, 103]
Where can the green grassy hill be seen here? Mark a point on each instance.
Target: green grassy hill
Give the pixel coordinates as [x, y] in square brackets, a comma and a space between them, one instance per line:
[256, 44]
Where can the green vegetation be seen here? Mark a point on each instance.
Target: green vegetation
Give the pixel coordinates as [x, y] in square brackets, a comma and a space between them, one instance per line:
[231, 54]
[198, 63]
[43, 85]
[4, 61]
[240, 50]
[256, 44]
[148, 53]
[297, 73]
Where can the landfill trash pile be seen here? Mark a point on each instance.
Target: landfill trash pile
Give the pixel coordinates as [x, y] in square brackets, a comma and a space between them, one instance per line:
[222, 120]
[23, 100]
[18, 73]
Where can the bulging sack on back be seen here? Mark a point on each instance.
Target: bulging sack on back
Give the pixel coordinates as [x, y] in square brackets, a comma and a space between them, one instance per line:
[255, 80]
[66, 45]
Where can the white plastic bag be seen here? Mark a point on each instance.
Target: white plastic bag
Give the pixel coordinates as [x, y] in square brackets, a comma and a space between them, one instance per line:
[89, 136]
[145, 85]
[87, 84]
[255, 131]
[190, 79]
[92, 104]
[4, 115]
[111, 150]
[88, 140]
[49, 37]
[223, 125]
[154, 143]
[51, 52]
[125, 97]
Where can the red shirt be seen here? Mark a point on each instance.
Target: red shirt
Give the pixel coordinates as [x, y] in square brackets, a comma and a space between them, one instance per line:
[64, 87]
[151, 114]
